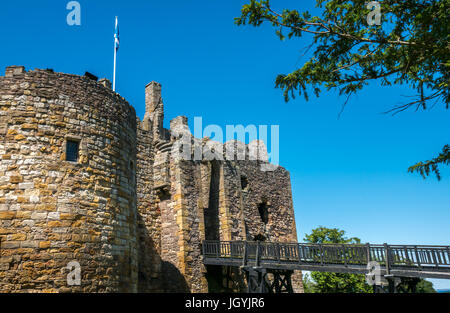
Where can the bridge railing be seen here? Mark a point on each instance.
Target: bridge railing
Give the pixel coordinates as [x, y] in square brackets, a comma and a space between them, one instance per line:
[420, 256]
[342, 254]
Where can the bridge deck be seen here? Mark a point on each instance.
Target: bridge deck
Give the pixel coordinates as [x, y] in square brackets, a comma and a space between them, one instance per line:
[396, 260]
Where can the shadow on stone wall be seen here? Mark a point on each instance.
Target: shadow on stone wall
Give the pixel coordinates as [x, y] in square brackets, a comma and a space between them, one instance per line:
[154, 274]
[173, 280]
[225, 279]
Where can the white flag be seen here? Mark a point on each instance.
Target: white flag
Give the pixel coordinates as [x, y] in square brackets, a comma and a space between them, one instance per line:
[116, 34]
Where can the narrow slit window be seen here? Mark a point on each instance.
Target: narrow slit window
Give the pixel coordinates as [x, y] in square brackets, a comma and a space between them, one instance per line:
[263, 212]
[244, 183]
[72, 150]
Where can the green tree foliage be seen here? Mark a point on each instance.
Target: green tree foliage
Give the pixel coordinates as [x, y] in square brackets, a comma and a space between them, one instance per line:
[329, 235]
[409, 47]
[424, 286]
[334, 282]
[416, 285]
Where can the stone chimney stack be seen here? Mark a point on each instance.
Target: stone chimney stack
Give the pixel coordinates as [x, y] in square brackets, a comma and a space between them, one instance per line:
[152, 96]
[154, 110]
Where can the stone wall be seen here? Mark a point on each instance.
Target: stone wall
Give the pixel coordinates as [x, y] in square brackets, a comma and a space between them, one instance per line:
[272, 190]
[220, 200]
[130, 210]
[149, 216]
[53, 211]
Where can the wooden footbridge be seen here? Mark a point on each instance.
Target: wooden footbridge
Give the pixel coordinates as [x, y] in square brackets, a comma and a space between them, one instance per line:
[384, 264]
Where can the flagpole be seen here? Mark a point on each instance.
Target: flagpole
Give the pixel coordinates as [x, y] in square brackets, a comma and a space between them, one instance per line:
[115, 58]
[115, 54]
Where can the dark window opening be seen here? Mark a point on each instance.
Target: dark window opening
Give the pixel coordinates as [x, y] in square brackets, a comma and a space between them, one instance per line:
[244, 182]
[259, 237]
[211, 213]
[72, 150]
[263, 212]
[163, 193]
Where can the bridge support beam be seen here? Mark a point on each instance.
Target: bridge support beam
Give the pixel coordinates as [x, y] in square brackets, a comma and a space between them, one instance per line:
[390, 285]
[256, 280]
[282, 282]
[378, 289]
[393, 283]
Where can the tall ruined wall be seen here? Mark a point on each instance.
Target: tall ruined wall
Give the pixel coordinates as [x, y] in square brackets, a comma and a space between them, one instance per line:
[270, 191]
[53, 211]
[168, 231]
[148, 217]
[216, 200]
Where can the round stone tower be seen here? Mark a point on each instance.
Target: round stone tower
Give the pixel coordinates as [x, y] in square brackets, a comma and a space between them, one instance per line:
[67, 185]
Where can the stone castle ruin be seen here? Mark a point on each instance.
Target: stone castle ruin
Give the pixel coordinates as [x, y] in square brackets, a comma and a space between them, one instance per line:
[83, 179]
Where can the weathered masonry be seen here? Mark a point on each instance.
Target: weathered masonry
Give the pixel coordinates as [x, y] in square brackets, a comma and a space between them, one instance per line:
[83, 179]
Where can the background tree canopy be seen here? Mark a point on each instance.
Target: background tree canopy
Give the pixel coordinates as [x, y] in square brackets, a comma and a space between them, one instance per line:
[409, 47]
[334, 282]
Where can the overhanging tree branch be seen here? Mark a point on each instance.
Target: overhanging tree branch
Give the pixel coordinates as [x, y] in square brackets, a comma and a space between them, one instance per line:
[425, 168]
[410, 47]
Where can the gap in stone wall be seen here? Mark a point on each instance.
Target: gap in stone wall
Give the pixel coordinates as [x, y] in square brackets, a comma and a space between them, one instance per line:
[212, 212]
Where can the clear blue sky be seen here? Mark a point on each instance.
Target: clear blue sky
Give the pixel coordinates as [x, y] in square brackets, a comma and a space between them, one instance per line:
[349, 173]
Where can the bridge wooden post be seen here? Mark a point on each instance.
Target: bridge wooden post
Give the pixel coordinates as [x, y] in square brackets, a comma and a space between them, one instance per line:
[368, 253]
[345, 255]
[417, 257]
[278, 251]
[257, 252]
[321, 254]
[244, 259]
[448, 256]
[217, 249]
[387, 259]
